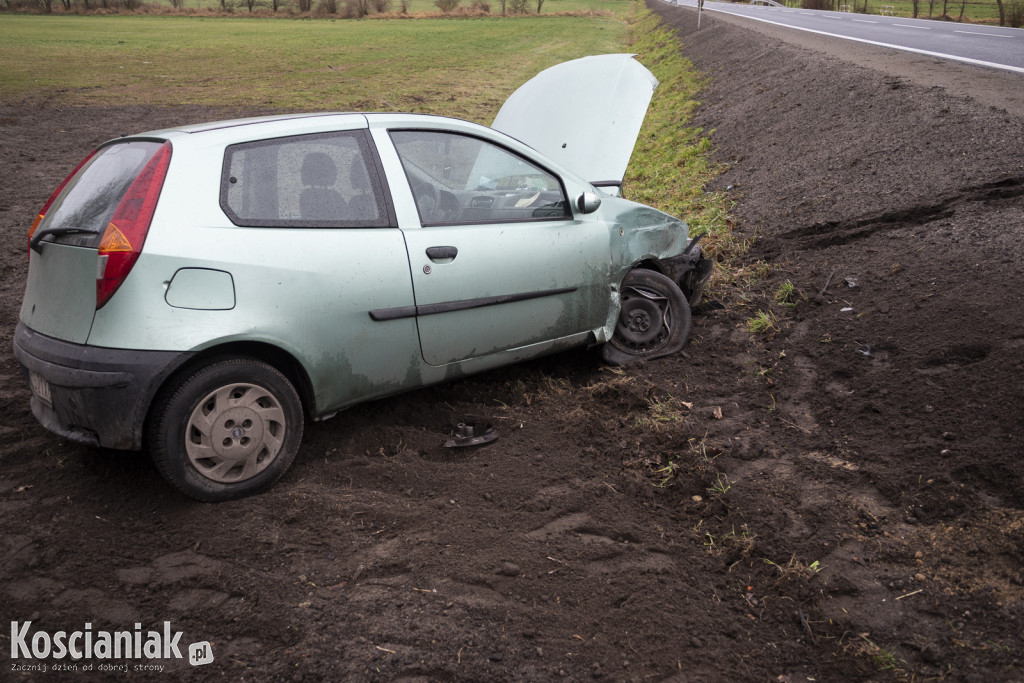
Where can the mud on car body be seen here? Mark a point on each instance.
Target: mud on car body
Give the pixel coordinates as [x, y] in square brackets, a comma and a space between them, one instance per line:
[200, 291]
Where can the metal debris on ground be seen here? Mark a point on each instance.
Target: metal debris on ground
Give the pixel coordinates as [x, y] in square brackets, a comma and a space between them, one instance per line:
[471, 434]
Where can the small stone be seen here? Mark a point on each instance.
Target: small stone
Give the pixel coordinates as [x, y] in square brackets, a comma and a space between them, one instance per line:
[697, 499]
[509, 569]
[918, 555]
[919, 577]
[932, 654]
[488, 497]
[948, 436]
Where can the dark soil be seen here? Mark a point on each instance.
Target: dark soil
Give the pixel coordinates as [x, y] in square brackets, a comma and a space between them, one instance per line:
[840, 499]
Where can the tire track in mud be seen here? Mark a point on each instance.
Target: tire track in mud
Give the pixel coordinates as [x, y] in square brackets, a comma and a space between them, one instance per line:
[838, 233]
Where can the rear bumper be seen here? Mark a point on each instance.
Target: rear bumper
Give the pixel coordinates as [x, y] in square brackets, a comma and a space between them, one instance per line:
[97, 396]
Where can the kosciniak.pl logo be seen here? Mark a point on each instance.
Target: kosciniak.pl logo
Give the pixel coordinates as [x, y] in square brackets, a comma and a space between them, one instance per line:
[137, 644]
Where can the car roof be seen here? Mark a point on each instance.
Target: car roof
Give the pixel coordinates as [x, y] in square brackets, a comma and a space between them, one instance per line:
[257, 126]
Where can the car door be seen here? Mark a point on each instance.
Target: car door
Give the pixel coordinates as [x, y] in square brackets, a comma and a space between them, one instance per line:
[498, 261]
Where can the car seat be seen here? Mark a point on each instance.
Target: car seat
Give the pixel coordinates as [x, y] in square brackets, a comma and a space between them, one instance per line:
[319, 201]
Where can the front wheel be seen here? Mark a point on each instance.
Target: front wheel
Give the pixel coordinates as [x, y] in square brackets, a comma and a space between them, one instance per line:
[227, 430]
[654, 320]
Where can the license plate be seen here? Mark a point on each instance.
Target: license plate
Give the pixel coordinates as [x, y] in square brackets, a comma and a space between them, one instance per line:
[40, 387]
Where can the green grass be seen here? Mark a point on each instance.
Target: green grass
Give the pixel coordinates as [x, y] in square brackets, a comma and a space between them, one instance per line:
[670, 164]
[464, 67]
[764, 322]
[786, 294]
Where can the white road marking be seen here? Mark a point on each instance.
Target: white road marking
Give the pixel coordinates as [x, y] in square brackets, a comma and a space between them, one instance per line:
[865, 21]
[901, 48]
[979, 33]
[920, 28]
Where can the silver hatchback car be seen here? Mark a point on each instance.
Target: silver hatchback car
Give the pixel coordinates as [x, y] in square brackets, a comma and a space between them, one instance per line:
[201, 291]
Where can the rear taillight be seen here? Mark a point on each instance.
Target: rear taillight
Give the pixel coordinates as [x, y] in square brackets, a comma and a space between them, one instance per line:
[122, 241]
[46, 206]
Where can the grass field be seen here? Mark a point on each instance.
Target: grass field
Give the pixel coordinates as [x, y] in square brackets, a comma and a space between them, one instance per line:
[462, 67]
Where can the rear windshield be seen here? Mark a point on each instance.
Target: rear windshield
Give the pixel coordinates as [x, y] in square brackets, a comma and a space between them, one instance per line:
[89, 200]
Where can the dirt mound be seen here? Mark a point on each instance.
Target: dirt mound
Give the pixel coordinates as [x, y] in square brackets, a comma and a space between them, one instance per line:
[838, 497]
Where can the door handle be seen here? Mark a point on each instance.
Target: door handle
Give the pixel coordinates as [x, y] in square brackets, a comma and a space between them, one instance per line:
[442, 253]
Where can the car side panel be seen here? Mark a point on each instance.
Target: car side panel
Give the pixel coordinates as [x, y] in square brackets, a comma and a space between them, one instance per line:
[305, 291]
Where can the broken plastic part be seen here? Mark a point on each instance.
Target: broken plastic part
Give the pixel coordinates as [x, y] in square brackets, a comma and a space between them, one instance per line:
[471, 434]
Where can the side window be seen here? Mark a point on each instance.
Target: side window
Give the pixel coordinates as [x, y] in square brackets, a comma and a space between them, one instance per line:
[459, 179]
[321, 181]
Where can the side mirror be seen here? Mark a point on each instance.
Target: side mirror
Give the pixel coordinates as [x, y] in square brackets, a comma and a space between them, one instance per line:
[588, 202]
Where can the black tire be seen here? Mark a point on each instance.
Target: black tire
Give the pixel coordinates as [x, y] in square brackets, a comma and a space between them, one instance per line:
[227, 430]
[654, 320]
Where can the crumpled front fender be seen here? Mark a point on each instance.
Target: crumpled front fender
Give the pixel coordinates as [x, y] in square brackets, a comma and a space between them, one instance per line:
[643, 237]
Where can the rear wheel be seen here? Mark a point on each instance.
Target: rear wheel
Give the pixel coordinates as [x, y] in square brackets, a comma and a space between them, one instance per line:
[227, 430]
[654, 320]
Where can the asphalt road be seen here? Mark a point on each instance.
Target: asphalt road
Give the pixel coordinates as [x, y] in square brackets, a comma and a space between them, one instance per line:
[982, 45]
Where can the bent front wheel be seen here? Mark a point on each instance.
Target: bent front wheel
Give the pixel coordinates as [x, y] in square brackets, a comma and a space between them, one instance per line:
[654, 320]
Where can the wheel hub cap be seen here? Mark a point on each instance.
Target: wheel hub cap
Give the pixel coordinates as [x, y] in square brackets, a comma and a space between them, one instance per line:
[235, 432]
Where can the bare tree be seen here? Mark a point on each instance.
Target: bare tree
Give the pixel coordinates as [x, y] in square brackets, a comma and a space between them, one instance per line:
[914, 7]
[1002, 13]
[540, 3]
[963, 6]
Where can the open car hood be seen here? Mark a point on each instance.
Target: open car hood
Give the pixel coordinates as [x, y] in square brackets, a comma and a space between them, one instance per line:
[584, 114]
